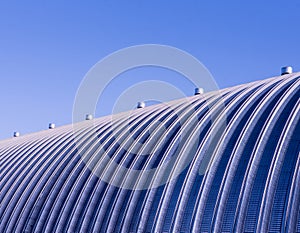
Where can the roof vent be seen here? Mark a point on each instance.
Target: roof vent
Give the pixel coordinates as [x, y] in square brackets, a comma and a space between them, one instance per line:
[286, 70]
[141, 105]
[88, 117]
[16, 134]
[51, 125]
[199, 91]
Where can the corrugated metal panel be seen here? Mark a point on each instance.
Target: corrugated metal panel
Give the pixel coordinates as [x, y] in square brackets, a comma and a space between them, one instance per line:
[252, 181]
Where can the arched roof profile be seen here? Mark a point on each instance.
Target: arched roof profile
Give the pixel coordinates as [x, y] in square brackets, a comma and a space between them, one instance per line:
[226, 162]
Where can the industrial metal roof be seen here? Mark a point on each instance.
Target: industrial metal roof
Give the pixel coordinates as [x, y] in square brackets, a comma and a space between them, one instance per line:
[216, 162]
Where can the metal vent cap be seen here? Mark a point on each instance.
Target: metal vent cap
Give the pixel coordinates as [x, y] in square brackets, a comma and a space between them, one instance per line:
[199, 91]
[88, 117]
[51, 125]
[141, 105]
[286, 70]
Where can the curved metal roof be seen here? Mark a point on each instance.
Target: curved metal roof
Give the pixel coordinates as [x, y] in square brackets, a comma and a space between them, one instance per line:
[218, 162]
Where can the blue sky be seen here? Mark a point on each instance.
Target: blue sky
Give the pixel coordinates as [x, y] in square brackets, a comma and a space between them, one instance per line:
[46, 48]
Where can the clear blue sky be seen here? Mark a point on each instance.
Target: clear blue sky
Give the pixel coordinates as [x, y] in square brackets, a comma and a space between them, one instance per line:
[46, 47]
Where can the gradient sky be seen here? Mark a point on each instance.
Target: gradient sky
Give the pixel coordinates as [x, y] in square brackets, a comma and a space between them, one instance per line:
[46, 48]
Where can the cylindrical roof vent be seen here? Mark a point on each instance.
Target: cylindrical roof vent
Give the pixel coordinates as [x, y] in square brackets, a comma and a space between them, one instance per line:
[89, 117]
[141, 105]
[51, 125]
[199, 91]
[286, 70]
[16, 134]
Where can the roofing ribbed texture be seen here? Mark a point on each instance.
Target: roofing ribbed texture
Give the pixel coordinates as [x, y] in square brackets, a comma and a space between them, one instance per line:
[252, 183]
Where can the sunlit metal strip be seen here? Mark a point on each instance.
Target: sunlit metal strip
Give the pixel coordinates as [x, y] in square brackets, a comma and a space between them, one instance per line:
[218, 126]
[152, 146]
[230, 171]
[116, 173]
[29, 162]
[146, 117]
[54, 194]
[182, 109]
[274, 173]
[293, 205]
[104, 161]
[83, 146]
[257, 153]
[167, 194]
[190, 178]
[143, 218]
[247, 132]
[117, 129]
